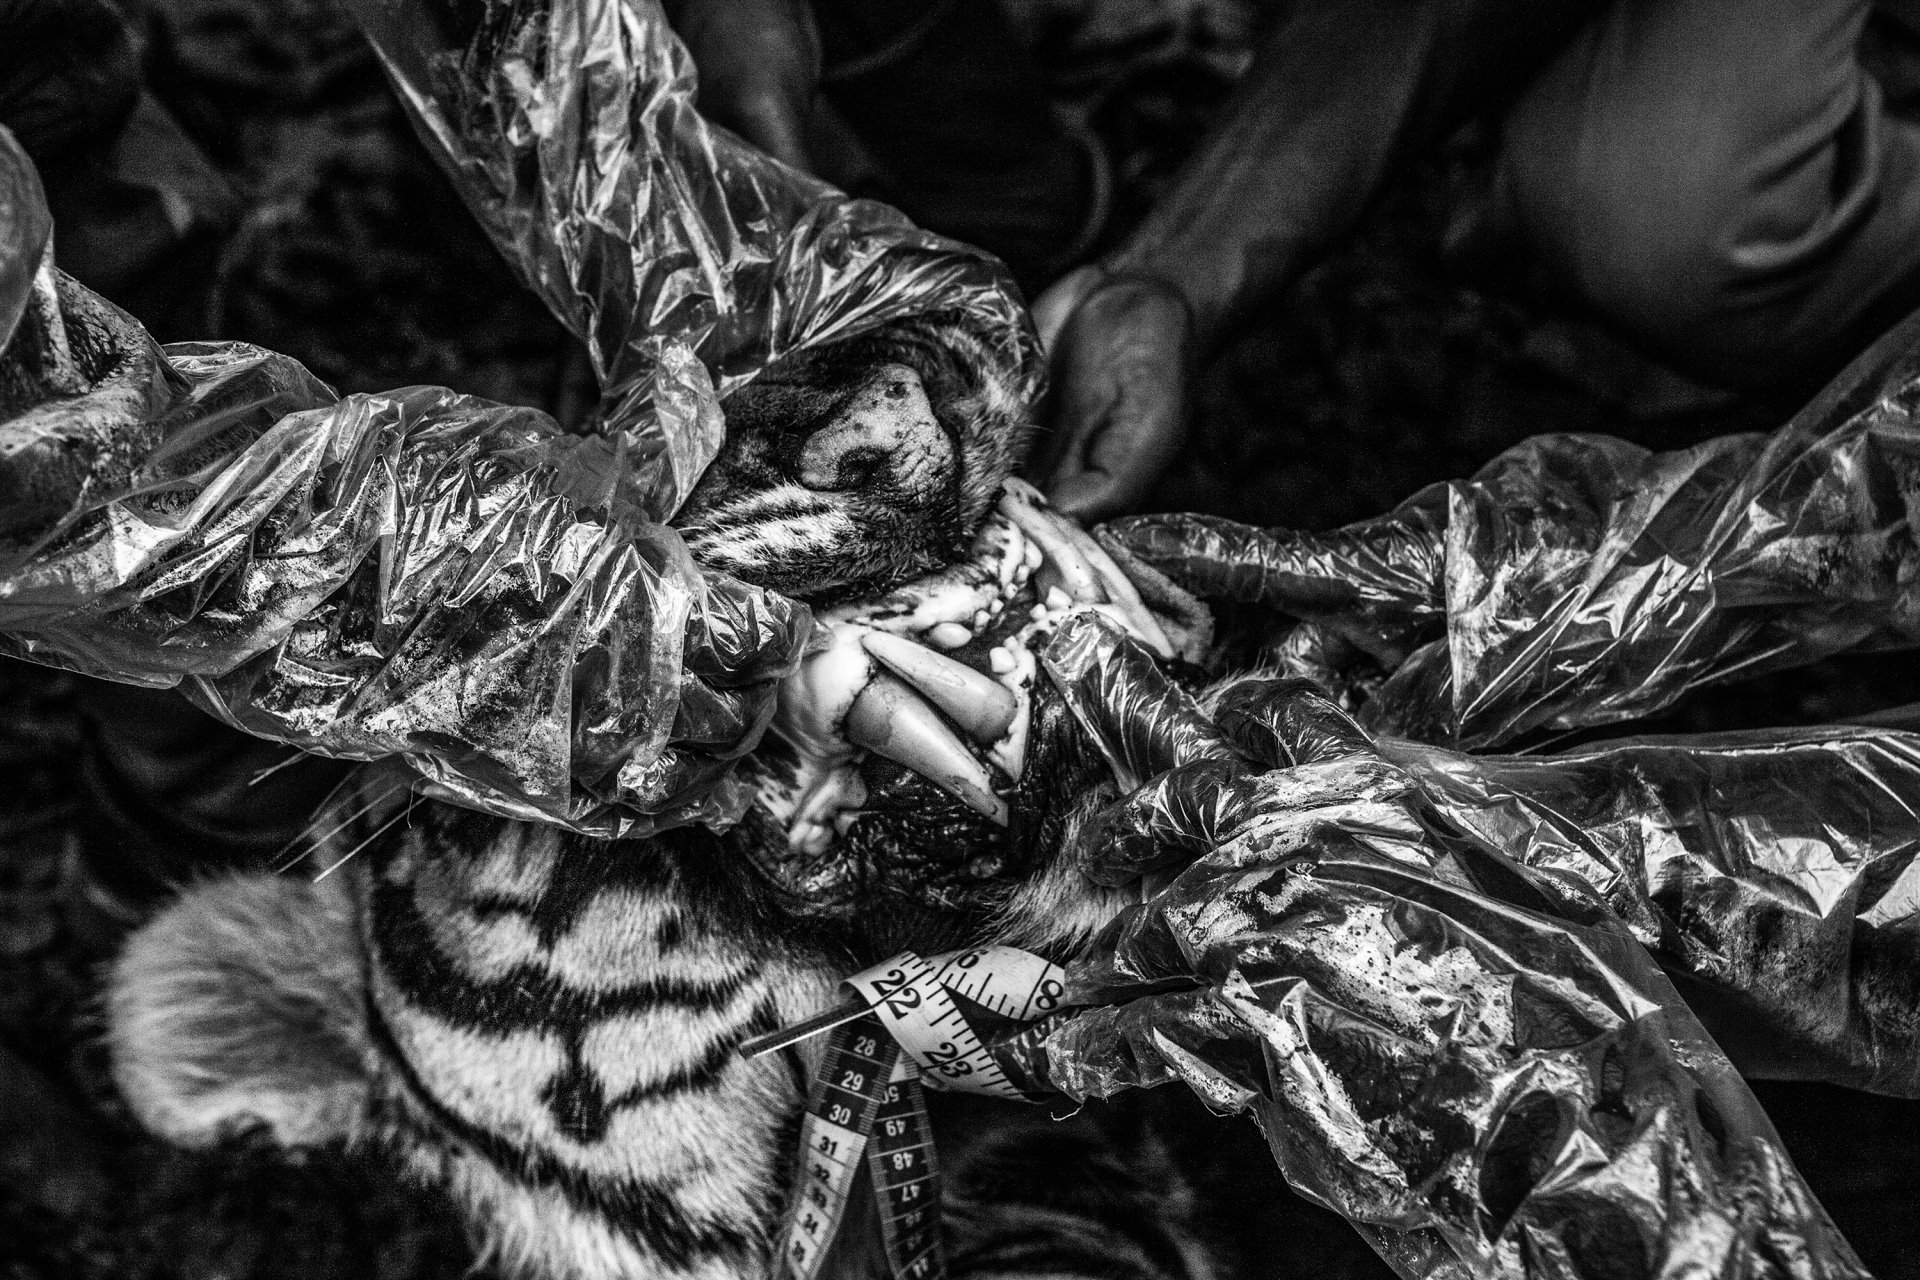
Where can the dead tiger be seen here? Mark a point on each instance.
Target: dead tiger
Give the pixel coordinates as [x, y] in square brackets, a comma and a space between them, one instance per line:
[548, 1024]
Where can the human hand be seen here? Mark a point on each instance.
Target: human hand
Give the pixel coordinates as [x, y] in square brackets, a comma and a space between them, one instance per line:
[1122, 350]
[1478, 1085]
[759, 65]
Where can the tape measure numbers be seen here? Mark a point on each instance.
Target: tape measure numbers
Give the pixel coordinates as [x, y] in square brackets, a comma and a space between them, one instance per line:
[906, 1178]
[856, 1071]
[914, 998]
[867, 1101]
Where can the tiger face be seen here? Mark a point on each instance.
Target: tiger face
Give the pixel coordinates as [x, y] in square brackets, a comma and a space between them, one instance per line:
[860, 464]
[548, 1025]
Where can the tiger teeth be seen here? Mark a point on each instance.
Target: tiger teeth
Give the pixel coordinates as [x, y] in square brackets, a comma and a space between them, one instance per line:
[817, 697]
[1010, 752]
[977, 703]
[949, 635]
[889, 719]
[1064, 561]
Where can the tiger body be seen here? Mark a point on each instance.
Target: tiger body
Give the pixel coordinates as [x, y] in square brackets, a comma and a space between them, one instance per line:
[548, 1025]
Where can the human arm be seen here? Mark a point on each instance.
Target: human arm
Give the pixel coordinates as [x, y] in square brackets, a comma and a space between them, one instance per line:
[1338, 97]
[759, 65]
[1484, 1074]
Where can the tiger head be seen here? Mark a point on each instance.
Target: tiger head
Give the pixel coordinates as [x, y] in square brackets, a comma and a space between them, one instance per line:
[853, 466]
[548, 1025]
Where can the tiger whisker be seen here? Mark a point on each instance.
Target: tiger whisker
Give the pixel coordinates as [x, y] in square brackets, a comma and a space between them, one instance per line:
[307, 843]
[270, 770]
[377, 832]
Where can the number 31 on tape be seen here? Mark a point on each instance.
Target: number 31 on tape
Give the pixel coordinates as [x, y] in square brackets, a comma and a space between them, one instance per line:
[866, 1101]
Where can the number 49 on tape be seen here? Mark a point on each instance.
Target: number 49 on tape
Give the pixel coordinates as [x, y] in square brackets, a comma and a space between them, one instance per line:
[867, 1100]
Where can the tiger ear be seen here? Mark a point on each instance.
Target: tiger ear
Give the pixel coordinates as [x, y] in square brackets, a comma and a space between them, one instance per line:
[243, 1004]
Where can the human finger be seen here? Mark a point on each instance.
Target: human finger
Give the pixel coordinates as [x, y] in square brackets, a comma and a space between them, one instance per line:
[1119, 406]
[1177, 816]
[1379, 577]
[738, 634]
[1062, 298]
[1141, 721]
[1286, 721]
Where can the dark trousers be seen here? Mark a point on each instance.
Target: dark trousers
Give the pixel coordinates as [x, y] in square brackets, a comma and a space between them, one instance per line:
[1719, 179]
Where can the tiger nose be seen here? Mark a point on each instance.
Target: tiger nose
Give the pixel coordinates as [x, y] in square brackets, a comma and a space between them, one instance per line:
[888, 425]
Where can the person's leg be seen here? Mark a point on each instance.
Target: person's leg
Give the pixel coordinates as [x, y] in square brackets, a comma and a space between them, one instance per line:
[1719, 180]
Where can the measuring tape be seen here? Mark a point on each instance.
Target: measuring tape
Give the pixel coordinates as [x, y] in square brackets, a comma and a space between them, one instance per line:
[867, 1100]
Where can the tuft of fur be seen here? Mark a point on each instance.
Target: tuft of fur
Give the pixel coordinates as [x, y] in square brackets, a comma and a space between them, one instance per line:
[545, 1025]
[241, 1006]
[834, 482]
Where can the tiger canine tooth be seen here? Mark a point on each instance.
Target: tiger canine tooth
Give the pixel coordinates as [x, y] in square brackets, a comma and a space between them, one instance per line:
[1019, 503]
[977, 703]
[949, 635]
[890, 720]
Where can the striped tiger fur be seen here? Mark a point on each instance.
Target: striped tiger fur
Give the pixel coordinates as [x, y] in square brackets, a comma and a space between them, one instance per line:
[548, 1025]
[545, 1023]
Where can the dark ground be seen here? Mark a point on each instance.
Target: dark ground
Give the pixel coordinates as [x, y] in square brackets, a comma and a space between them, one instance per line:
[1373, 378]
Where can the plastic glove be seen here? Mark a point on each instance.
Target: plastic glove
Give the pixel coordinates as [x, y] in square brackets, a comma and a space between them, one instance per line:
[1581, 580]
[1482, 1089]
[1772, 873]
[418, 574]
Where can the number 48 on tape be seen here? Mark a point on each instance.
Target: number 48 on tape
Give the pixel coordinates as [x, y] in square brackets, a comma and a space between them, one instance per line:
[867, 1103]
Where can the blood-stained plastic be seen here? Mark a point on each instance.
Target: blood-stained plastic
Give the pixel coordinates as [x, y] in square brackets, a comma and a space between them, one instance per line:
[421, 574]
[1581, 580]
[1466, 1053]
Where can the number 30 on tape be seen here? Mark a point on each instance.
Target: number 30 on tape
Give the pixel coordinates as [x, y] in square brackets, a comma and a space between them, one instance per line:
[867, 1101]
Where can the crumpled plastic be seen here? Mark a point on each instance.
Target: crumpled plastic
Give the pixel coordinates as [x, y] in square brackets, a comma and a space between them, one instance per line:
[1581, 580]
[569, 128]
[1775, 874]
[1466, 1054]
[417, 574]
[422, 574]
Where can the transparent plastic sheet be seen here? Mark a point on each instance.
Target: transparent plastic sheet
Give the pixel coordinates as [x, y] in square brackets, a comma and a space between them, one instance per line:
[1776, 875]
[427, 575]
[569, 127]
[1581, 580]
[1470, 1058]
[417, 574]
